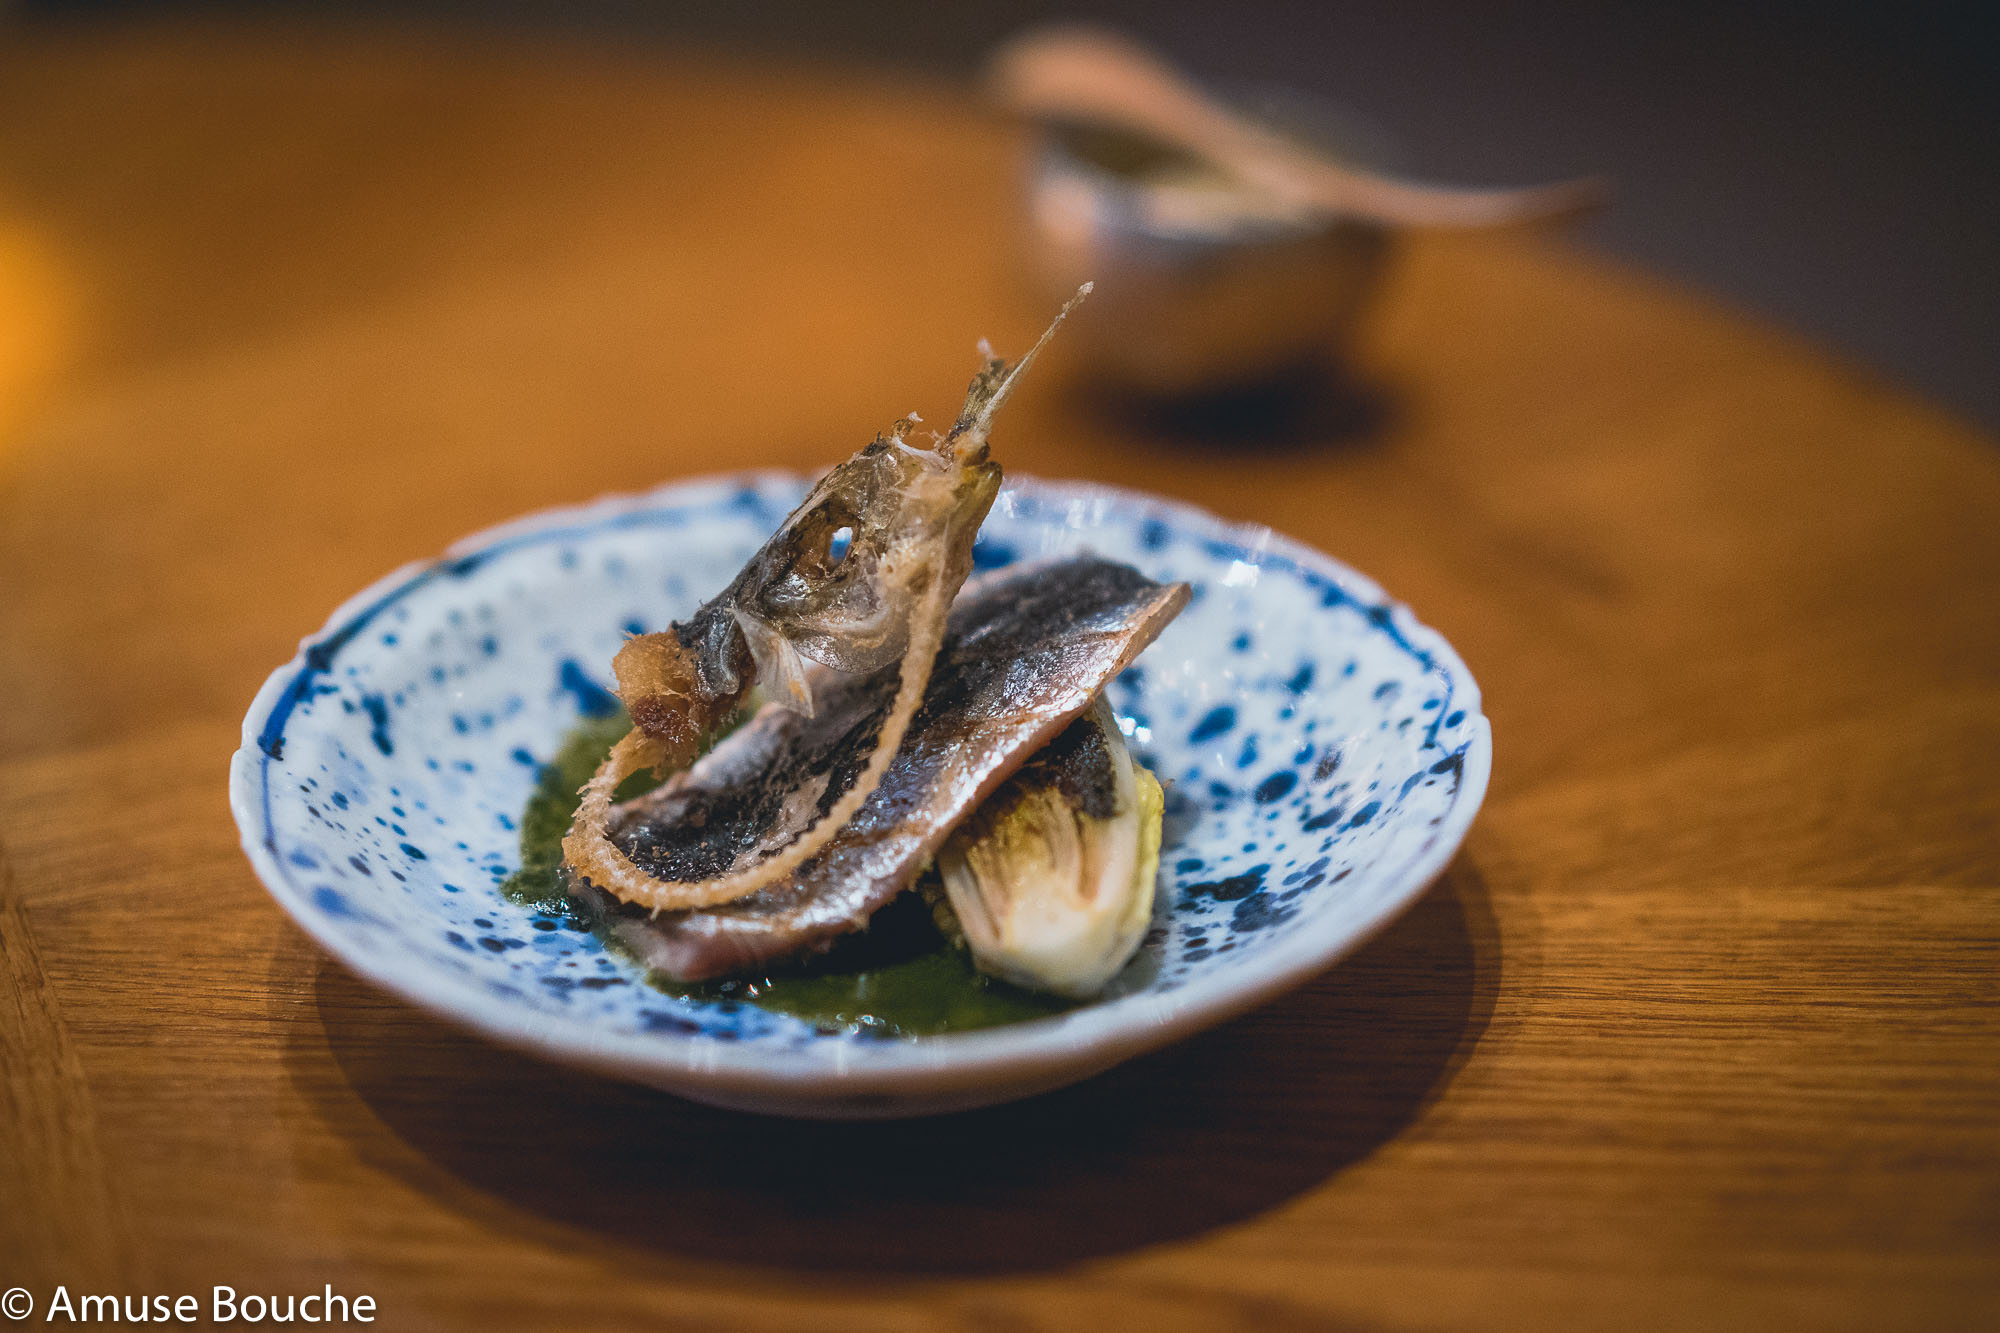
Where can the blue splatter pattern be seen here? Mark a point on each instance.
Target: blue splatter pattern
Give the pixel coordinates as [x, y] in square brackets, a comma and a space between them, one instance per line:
[1312, 738]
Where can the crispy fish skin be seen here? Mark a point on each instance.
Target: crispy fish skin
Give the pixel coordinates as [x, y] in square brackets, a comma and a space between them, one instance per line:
[1026, 652]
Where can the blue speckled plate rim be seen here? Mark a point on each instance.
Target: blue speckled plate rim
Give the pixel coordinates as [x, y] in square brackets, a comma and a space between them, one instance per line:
[1097, 1035]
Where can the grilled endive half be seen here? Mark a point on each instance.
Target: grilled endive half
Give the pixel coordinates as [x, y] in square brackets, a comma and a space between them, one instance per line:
[1052, 877]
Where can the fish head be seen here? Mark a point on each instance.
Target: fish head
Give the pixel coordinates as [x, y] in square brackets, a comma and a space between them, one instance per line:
[838, 581]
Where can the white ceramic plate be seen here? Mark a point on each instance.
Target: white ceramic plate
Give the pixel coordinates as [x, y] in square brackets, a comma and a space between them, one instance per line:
[1324, 754]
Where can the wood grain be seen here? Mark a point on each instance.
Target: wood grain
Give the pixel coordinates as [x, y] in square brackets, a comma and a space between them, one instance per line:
[63, 1200]
[1699, 1031]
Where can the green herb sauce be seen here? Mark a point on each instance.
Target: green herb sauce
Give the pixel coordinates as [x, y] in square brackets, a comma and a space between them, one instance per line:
[900, 977]
[538, 883]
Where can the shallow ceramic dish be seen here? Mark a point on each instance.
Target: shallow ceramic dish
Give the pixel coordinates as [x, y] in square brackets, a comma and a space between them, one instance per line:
[1324, 755]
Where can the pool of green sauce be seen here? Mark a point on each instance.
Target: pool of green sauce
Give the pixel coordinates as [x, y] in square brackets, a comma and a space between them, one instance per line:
[900, 977]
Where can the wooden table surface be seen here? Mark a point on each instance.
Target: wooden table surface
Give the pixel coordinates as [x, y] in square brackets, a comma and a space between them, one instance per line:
[1699, 1031]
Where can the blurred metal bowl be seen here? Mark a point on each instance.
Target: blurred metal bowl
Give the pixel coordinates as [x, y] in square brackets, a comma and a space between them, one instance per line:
[1203, 285]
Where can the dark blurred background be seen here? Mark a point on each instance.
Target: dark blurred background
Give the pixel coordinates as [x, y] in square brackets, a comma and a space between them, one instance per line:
[1835, 166]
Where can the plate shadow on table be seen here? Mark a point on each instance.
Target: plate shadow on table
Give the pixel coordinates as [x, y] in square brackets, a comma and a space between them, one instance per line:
[1214, 1130]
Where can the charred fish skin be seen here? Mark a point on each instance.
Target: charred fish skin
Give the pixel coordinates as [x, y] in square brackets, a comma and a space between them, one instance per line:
[1027, 650]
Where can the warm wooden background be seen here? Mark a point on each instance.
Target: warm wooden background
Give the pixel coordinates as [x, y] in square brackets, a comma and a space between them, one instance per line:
[1699, 1032]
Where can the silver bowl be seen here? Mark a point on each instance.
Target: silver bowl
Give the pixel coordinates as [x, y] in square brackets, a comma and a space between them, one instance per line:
[1203, 285]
